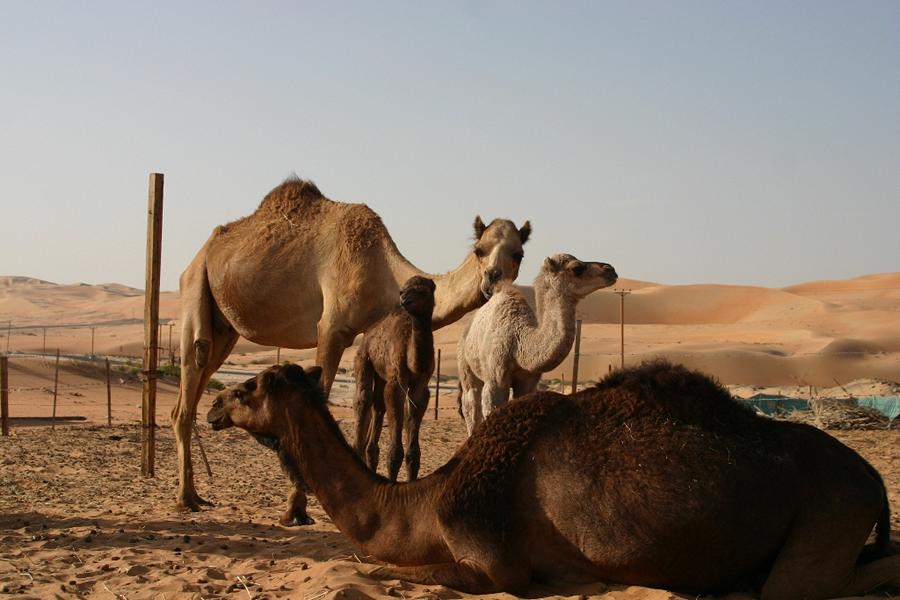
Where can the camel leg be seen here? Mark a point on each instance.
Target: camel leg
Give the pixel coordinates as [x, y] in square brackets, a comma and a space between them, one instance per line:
[415, 412]
[363, 402]
[465, 575]
[194, 377]
[374, 433]
[296, 509]
[818, 558]
[394, 399]
[492, 397]
[331, 343]
[470, 397]
[525, 383]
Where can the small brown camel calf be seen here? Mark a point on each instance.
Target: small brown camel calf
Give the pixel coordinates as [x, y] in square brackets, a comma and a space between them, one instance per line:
[393, 366]
[654, 477]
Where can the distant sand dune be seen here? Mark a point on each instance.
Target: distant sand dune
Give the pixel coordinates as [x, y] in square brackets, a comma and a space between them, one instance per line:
[804, 334]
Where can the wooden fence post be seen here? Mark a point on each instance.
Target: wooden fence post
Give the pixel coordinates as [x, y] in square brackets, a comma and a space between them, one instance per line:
[4, 395]
[55, 390]
[151, 324]
[108, 396]
[437, 386]
[577, 355]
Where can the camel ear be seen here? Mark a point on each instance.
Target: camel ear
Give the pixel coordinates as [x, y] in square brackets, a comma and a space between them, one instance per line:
[525, 231]
[551, 265]
[268, 381]
[479, 227]
[315, 373]
[291, 373]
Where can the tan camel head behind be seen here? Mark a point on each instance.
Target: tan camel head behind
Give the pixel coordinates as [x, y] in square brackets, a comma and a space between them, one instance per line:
[655, 477]
[498, 248]
[303, 271]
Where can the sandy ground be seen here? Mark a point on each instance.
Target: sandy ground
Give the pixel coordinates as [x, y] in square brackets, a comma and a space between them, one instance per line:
[78, 520]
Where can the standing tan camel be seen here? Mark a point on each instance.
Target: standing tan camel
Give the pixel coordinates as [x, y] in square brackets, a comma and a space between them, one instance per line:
[509, 345]
[655, 477]
[393, 366]
[304, 271]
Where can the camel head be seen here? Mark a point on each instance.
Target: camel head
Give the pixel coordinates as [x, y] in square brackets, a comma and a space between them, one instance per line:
[579, 278]
[417, 296]
[258, 405]
[498, 249]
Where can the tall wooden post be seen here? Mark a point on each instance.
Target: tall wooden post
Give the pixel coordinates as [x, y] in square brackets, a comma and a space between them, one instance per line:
[577, 354]
[622, 294]
[151, 324]
[8, 334]
[108, 396]
[4, 395]
[55, 390]
[437, 385]
[171, 354]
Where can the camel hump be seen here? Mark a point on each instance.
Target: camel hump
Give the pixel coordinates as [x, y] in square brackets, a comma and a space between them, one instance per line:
[289, 195]
[297, 210]
[659, 382]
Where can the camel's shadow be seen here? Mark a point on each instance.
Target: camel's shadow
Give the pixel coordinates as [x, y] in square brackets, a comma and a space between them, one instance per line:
[234, 539]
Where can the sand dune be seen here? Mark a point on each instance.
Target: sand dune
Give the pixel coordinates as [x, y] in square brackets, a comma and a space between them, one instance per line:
[806, 334]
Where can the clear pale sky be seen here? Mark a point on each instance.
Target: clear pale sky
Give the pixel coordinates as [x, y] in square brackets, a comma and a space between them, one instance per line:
[684, 142]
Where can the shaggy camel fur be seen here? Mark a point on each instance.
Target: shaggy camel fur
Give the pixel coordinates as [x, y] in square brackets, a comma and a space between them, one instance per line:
[393, 366]
[508, 346]
[655, 477]
[304, 271]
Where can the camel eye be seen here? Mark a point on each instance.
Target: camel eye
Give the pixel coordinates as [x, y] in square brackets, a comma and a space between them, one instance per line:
[579, 269]
[479, 252]
[518, 256]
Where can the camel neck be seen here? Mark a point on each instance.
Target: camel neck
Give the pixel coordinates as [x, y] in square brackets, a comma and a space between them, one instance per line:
[373, 512]
[421, 346]
[544, 347]
[456, 292]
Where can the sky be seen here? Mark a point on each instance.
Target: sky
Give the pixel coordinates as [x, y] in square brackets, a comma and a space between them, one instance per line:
[684, 142]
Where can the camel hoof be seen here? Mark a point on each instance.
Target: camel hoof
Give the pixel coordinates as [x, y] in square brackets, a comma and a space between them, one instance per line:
[296, 520]
[192, 504]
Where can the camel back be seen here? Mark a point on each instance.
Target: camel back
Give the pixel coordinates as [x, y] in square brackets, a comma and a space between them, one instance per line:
[297, 210]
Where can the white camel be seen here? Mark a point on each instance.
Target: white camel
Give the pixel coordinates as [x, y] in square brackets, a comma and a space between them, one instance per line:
[508, 345]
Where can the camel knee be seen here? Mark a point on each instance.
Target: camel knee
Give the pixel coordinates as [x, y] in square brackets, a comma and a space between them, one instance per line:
[413, 460]
[202, 350]
[296, 510]
[373, 454]
[395, 459]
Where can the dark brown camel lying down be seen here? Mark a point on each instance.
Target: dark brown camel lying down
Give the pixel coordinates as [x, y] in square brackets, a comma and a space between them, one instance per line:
[655, 477]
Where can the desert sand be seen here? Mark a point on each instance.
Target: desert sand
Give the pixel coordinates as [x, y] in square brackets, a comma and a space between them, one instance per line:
[78, 520]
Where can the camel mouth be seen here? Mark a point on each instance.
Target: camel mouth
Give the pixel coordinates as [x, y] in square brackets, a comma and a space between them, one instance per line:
[217, 420]
[219, 425]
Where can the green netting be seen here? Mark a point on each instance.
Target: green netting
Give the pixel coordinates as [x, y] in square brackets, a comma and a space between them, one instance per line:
[889, 406]
[773, 405]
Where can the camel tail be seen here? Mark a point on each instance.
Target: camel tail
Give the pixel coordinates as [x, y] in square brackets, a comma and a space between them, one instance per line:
[879, 548]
